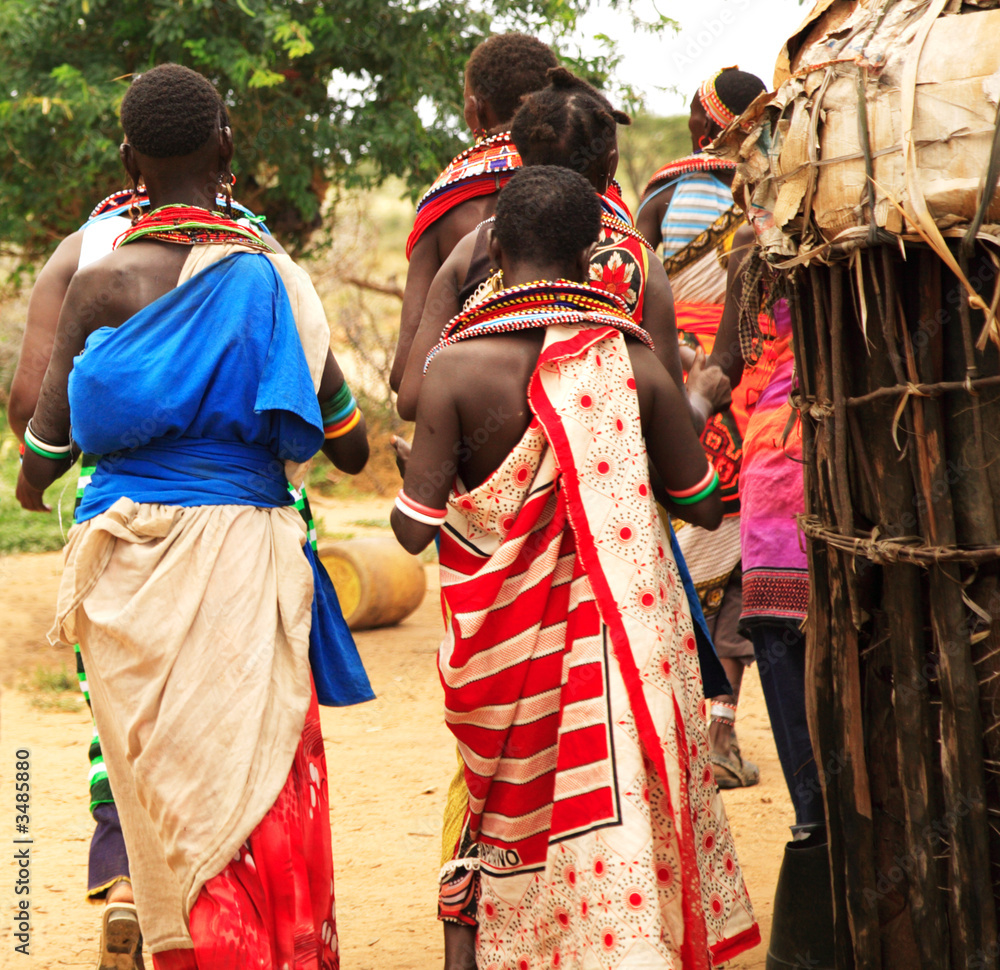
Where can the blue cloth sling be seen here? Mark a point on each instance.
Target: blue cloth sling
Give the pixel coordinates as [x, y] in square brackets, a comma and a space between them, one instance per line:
[715, 683]
[199, 399]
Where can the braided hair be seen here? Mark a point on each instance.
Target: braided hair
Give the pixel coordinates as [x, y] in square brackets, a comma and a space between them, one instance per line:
[505, 67]
[547, 213]
[568, 123]
[170, 111]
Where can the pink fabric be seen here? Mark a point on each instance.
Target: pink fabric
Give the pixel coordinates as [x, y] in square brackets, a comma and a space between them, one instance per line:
[775, 578]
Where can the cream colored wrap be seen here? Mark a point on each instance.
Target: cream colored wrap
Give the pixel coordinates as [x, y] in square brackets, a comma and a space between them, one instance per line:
[194, 628]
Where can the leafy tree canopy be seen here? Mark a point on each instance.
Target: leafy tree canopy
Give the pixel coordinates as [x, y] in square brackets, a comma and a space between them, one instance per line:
[321, 93]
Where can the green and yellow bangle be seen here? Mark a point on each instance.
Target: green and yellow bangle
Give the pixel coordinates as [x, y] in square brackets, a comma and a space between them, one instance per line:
[340, 413]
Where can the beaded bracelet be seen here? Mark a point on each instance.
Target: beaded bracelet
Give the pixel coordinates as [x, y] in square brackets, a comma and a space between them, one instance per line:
[44, 448]
[723, 712]
[418, 512]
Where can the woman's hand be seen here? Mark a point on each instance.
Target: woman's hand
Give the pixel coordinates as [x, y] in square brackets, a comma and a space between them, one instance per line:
[709, 383]
[402, 447]
[31, 498]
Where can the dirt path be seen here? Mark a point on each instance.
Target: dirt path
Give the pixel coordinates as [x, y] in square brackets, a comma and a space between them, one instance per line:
[390, 761]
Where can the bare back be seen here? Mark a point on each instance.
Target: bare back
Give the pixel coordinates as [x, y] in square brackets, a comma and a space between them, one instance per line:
[474, 409]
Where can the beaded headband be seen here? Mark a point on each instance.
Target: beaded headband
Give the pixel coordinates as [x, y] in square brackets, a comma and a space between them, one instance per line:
[711, 101]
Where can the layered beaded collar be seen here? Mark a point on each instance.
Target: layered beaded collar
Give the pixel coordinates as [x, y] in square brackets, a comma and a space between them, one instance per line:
[544, 303]
[684, 166]
[489, 157]
[190, 225]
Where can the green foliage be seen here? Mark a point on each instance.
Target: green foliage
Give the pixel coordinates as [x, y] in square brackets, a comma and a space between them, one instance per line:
[647, 145]
[54, 689]
[321, 92]
[53, 681]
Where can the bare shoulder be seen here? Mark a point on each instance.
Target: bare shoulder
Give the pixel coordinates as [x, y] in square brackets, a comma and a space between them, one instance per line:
[645, 367]
[66, 257]
[744, 236]
[461, 220]
[111, 289]
[450, 363]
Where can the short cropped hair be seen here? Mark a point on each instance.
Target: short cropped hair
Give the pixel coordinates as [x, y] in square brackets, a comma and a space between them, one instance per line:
[170, 111]
[737, 89]
[547, 212]
[505, 67]
[568, 123]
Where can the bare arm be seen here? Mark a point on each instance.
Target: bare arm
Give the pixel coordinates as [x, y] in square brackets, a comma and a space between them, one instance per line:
[727, 352]
[424, 264]
[441, 305]
[674, 450]
[652, 209]
[658, 318]
[46, 301]
[84, 302]
[431, 466]
[349, 452]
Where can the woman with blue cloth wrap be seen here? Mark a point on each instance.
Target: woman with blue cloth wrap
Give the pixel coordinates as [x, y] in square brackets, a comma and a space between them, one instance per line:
[196, 362]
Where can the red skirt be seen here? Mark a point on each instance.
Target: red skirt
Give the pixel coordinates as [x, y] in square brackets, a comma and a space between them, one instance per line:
[273, 906]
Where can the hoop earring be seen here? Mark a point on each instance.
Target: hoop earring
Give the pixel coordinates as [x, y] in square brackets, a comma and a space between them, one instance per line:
[226, 189]
[479, 133]
[704, 141]
[134, 209]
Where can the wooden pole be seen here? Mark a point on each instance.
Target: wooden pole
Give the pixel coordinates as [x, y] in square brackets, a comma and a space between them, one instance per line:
[972, 907]
[902, 599]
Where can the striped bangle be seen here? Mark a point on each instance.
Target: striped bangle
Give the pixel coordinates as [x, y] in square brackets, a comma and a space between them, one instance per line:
[724, 712]
[689, 499]
[339, 406]
[694, 489]
[341, 428]
[418, 512]
[44, 448]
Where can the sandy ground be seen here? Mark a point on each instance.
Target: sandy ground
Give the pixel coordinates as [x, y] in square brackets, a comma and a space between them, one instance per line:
[390, 762]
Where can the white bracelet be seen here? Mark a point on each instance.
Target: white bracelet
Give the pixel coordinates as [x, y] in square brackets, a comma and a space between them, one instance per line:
[415, 515]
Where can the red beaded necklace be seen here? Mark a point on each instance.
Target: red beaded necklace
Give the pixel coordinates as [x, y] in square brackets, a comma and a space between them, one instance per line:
[540, 304]
[190, 225]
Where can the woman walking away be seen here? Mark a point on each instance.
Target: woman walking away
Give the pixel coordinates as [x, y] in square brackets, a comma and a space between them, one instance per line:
[202, 376]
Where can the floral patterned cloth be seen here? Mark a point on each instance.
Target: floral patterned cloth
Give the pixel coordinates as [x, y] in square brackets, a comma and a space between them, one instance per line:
[620, 263]
[573, 687]
[273, 905]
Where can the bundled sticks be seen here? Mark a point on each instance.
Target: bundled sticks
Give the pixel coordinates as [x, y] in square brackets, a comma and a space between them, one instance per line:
[900, 415]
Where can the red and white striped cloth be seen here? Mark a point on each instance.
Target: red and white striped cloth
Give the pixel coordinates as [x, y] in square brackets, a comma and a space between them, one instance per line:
[573, 687]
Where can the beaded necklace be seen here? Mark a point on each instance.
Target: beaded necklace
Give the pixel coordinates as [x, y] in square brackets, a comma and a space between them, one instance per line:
[543, 303]
[190, 225]
[117, 200]
[490, 157]
[614, 224]
[690, 163]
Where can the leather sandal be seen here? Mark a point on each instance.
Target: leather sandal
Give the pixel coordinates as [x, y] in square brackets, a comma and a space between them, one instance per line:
[121, 939]
[733, 771]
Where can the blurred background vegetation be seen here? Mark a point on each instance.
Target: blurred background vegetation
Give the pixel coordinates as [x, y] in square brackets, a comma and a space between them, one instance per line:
[342, 114]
